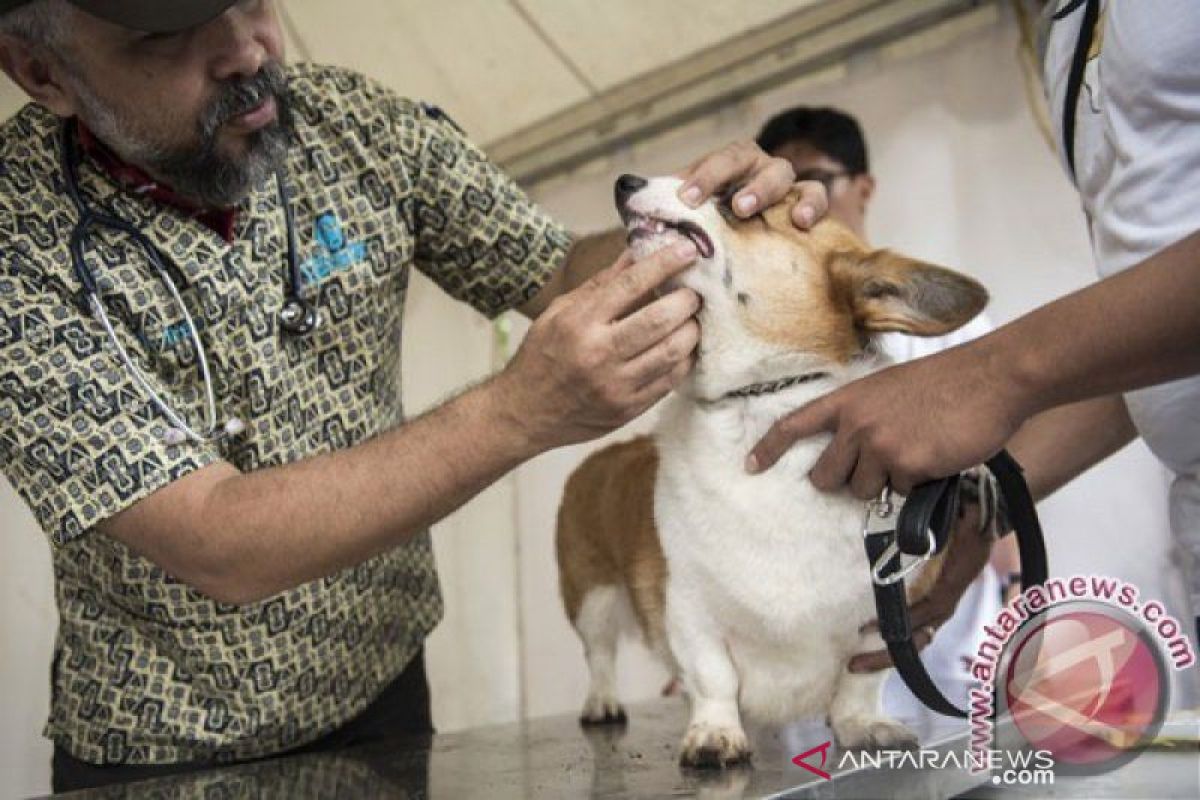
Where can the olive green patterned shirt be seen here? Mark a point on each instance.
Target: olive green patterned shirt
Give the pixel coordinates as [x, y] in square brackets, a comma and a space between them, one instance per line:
[147, 669]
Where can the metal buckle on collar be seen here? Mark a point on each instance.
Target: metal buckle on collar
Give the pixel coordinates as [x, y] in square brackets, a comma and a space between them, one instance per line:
[882, 508]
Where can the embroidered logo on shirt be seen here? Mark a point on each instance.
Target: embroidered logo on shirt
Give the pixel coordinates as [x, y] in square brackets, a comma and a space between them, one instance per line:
[334, 254]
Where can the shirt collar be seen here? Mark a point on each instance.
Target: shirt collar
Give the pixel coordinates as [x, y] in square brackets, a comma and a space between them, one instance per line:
[220, 220]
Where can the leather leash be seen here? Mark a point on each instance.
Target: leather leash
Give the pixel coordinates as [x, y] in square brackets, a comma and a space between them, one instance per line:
[923, 529]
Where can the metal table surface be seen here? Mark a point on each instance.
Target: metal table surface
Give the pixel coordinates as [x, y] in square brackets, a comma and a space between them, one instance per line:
[555, 757]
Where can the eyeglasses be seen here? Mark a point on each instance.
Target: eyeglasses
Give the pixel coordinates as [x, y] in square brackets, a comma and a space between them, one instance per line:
[825, 176]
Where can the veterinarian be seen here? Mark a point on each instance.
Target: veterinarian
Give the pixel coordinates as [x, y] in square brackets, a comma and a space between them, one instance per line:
[827, 145]
[1060, 385]
[205, 256]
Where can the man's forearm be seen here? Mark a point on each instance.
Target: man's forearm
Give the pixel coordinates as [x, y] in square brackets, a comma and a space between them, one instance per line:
[1134, 329]
[1058, 445]
[585, 368]
[262, 532]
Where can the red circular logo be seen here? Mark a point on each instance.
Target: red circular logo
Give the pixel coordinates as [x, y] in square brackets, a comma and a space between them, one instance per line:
[1087, 686]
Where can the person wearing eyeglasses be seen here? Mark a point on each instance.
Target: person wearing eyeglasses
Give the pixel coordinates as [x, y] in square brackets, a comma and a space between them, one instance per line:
[205, 258]
[827, 145]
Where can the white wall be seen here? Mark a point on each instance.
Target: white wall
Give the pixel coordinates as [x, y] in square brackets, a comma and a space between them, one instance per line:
[964, 180]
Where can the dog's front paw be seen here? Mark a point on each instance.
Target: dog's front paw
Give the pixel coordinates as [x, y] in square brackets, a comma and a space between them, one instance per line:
[602, 710]
[713, 747]
[873, 733]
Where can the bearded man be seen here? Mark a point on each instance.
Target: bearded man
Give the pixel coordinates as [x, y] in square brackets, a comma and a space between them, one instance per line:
[205, 261]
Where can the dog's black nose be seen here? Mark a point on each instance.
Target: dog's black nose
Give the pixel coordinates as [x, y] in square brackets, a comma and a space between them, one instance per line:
[626, 186]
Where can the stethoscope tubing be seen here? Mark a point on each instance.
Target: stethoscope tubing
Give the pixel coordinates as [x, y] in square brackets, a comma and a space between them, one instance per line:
[298, 316]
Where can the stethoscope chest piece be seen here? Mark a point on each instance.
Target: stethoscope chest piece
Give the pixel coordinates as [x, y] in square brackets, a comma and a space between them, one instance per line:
[299, 317]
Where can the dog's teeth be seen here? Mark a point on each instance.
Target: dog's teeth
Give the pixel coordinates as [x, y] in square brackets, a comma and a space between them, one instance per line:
[659, 226]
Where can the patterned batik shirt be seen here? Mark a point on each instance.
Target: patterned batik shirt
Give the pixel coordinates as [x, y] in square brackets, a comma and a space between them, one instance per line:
[147, 669]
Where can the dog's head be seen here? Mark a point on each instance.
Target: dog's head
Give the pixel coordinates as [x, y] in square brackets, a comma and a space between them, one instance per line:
[770, 289]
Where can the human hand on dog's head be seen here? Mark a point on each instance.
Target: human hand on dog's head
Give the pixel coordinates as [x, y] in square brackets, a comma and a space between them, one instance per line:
[761, 181]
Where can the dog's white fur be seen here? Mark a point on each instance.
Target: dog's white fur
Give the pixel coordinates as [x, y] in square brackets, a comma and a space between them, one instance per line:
[767, 624]
[767, 582]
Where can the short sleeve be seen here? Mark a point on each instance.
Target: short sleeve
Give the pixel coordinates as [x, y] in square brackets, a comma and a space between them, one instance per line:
[79, 440]
[479, 236]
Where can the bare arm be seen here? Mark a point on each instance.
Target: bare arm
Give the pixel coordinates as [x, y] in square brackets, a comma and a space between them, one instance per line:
[242, 537]
[942, 414]
[585, 368]
[1058, 445]
[1136, 328]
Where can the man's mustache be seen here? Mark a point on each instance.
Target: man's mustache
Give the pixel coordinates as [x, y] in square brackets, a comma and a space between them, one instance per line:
[238, 97]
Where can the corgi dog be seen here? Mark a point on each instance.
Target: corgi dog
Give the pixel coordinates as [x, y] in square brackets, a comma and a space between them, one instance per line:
[750, 588]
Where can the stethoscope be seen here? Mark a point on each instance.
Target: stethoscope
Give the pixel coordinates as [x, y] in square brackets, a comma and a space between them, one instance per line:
[297, 316]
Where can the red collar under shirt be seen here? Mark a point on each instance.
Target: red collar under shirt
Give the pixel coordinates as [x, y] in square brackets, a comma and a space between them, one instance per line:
[220, 220]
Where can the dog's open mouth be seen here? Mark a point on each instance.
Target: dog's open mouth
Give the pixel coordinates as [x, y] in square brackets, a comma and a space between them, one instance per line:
[642, 227]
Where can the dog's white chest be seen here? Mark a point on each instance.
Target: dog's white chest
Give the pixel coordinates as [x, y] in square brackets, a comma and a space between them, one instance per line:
[775, 565]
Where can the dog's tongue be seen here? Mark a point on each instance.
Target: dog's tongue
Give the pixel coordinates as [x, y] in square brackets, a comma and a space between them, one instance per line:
[699, 238]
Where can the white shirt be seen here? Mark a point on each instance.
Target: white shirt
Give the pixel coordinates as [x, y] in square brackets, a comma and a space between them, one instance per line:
[1137, 159]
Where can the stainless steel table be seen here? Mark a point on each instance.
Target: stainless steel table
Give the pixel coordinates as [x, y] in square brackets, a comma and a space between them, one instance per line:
[556, 758]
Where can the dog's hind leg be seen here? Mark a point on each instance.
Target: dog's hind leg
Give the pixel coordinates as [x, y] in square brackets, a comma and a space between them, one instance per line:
[855, 718]
[599, 623]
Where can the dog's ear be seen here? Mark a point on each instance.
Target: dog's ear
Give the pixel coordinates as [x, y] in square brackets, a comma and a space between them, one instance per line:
[890, 292]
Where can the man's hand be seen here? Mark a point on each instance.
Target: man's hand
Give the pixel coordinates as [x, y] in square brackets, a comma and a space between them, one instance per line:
[938, 415]
[967, 556]
[761, 181]
[601, 355]
[904, 425]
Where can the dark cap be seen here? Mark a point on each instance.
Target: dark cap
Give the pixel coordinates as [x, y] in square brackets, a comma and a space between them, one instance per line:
[152, 16]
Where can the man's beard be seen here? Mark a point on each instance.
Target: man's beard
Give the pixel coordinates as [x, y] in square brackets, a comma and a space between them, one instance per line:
[199, 171]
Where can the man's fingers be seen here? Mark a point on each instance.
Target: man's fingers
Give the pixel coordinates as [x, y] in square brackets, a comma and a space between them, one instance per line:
[726, 166]
[868, 479]
[649, 325]
[835, 465]
[813, 418]
[812, 205]
[771, 182]
[870, 662]
[881, 659]
[624, 289]
[928, 614]
[623, 262]
[653, 392]
[920, 614]
[605, 275]
[665, 356]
